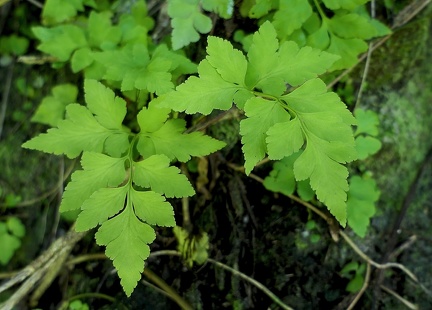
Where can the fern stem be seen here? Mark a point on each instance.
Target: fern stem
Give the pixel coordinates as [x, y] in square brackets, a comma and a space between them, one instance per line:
[320, 10]
[171, 293]
[257, 284]
[92, 295]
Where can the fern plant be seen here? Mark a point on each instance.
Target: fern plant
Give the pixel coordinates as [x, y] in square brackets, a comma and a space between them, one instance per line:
[278, 122]
[126, 176]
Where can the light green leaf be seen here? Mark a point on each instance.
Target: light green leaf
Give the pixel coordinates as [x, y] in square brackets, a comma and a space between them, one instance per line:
[325, 123]
[100, 171]
[224, 8]
[261, 115]
[156, 174]
[100, 206]
[52, 108]
[262, 56]
[139, 13]
[230, 63]
[57, 11]
[305, 191]
[134, 68]
[367, 146]
[101, 33]
[152, 208]
[359, 26]
[281, 178]
[201, 95]
[180, 64]
[16, 227]
[13, 44]
[9, 243]
[327, 177]
[168, 138]
[319, 39]
[362, 197]
[290, 16]
[271, 66]
[187, 22]
[109, 110]
[284, 139]
[81, 59]
[348, 49]
[367, 122]
[257, 8]
[152, 118]
[60, 41]
[126, 239]
[79, 132]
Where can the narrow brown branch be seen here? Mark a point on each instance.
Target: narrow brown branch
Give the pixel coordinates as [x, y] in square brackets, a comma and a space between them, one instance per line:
[363, 289]
[168, 289]
[400, 298]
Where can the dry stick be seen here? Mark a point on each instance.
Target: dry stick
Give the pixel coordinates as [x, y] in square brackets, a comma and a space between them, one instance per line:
[375, 264]
[257, 284]
[59, 197]
[168, 289]
[400, 298]
[36, 3]
[392, 240]
[367, 64]
[176, 253]
[38, 268]
[52, 191]
[5, 97]
[163, 286]
[363, 289]
[341, 233]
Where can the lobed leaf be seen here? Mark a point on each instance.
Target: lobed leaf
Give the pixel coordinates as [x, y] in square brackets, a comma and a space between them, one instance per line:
[224, 8]
[108, 109]
[133, 66]
[367, 146]
[156, 174]
[290, 16]
[100, 171]
[80, 131]
[362, 197]
[126, 239]
[261, 115]
[60, 41]
[187, 22]
[100, 206]
[152, 208]
[52, 108]
[201, 95]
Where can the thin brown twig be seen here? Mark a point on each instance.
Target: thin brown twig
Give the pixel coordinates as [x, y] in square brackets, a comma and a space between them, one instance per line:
[5, 98]
[400, 298]
[367, 64]
[341, 233]
[375, 264]
[168, 289]
[52, 191]
[401, 19]
[39, 268]
[176, 253]
[363, 289]
[36, 3]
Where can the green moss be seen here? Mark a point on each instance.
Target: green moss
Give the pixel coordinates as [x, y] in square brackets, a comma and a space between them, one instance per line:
[398, 59]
